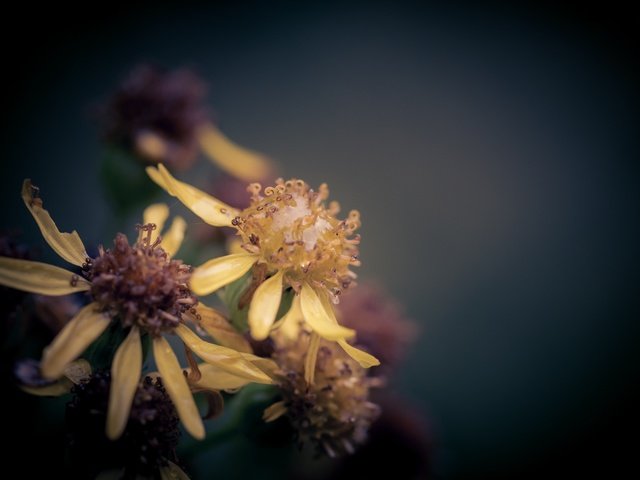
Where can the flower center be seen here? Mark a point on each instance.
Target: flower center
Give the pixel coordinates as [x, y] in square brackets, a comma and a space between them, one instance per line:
[140, 284]
[291, 229]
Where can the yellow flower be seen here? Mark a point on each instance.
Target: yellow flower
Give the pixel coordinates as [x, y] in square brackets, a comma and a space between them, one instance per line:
[290, 239]
[145, 290]
[335, 412]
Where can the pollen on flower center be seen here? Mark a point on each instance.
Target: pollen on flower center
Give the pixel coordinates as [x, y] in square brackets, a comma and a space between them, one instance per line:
[140, 284]
[291, 229]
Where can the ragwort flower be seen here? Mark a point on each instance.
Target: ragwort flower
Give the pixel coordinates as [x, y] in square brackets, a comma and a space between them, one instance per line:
[334, 412]
[141, 287]
[291, 240]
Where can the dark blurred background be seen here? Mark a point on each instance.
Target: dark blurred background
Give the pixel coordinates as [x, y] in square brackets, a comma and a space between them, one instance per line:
[491, 149]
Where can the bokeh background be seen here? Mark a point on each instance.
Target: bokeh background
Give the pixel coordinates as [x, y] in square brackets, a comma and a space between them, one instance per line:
[492, 151]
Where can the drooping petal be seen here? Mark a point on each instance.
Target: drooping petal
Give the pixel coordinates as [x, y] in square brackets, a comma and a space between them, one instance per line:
[67, 245]
[216, 325]
[317, 318]
[264, 306]
[177, 387]
[172, 238]
[216, 273]
[212, 211]
[172, 472]
[157, 214]
[274, 412]
[234, 159]
[223, 357]
[310, 360]
[72, 340]
[366, 360]
[125, 376]
[37, 277]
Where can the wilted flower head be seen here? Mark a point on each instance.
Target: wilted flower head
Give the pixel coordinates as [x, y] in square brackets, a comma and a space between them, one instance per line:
[334, 413]
[150, 437]
[292, 240]
[383, 329]
[137, 287]
[157, 114]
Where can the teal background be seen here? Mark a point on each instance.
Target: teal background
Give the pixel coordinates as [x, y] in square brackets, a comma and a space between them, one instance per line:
[491, 150]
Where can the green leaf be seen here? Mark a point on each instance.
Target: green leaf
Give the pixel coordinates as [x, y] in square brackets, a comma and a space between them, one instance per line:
[231, 296]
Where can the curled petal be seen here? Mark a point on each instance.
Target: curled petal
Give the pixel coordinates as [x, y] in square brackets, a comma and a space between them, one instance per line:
[264, 306]
[177, 387]
[216, 273]
[125, 376]
[72, 340]
[67, 245]
[212, 211]
[219, 328]
[234, 159]
[37, 277]
[318, 319]
[223, 357]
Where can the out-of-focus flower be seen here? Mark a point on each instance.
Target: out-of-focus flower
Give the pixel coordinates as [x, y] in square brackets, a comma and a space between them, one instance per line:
[161, 116]
[383, 329]
[334, 412]
[138, 286]
[157, 114]
[291, 240]
[146, 449]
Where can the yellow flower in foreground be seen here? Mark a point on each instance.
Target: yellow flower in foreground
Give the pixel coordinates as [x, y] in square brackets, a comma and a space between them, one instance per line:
[290, 239]
[145, 290]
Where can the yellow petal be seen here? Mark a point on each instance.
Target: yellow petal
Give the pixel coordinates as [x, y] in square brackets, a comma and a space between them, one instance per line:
[365, 359]
[177, 387]
[172, 472]
[215, 378]
[310, 360]
[67, 245]
[274, 412]
[219, 328]
[172, 238]
[125, 376]
[72, 340]
[212, 211]
[233, 159]
[157, 214]
[267, 365]
[216, 273]
[290, 324]
[235, 246]
[317, 318]
[264, 306]
[223, 357]
[37, 277]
